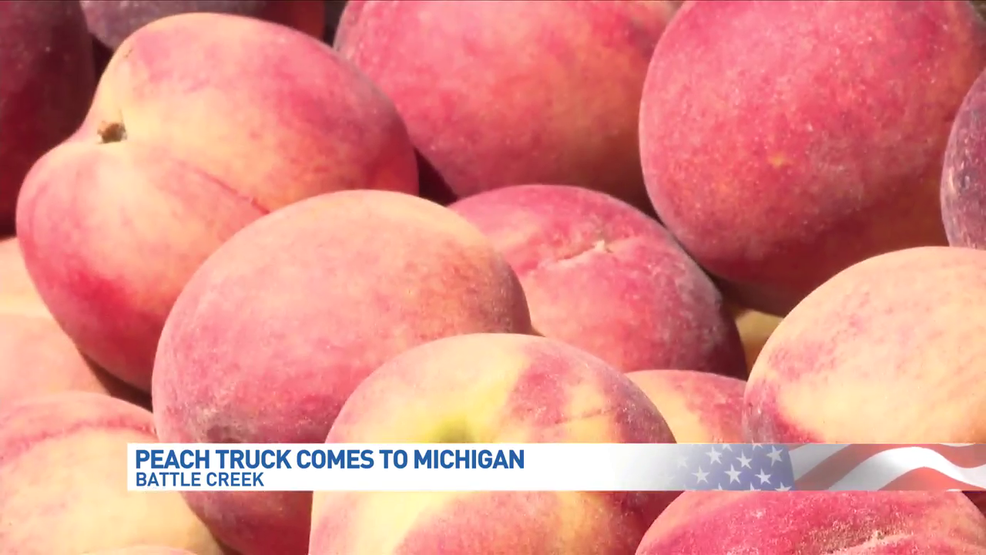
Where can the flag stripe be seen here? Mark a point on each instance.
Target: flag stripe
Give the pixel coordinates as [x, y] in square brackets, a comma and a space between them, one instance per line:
[871, 467]
[928, 479]
[805, 457]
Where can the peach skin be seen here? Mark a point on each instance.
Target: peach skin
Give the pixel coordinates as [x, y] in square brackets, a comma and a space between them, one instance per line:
[783, 142]
[173, 160]
[142, 550]
[563, 109]
[818, 523]
[351, 279]
[603, 276]
[887, 351]
[63, 480]
[36, 357]
[699, 407]
[491, 388]
[963, 186]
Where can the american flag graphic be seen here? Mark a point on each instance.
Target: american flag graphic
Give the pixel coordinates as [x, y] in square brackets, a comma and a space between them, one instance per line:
[831, 467]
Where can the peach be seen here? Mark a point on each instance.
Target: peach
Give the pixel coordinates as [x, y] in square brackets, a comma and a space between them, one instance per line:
[699, 407]
[491, 388]
[47, 83]
[63, 469]
[562, 108]
[143, 550]
[112, 21]
[963, 187]
[887, 351]
[17, 291]
[789, 143]
[36, 357]
[602, 276]
[755, 329]
[175, 157]
[818, 523]
[350, 279]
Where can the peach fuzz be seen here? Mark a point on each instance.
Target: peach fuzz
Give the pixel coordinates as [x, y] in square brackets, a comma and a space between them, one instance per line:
[174, 158]
[562, 110]
[898, 334]
[603, 276]
[491, 388]
[818, 523]
[63, 469]
[963, 186]
[782, 142]
[698, 406]
[351, 279]
[48, 81]
[36, 357]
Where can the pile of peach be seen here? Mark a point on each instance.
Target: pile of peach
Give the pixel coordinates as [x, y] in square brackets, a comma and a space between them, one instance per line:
[513, 221]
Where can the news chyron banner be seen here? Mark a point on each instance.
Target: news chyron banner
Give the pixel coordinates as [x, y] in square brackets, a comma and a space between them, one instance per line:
[555, 467]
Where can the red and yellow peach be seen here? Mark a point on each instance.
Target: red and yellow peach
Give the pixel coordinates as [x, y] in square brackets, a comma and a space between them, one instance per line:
[280, 325]
[818, 523]
[63, 480]
[176, 156]
[491, 388]
[887, 351]
[699, 407]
